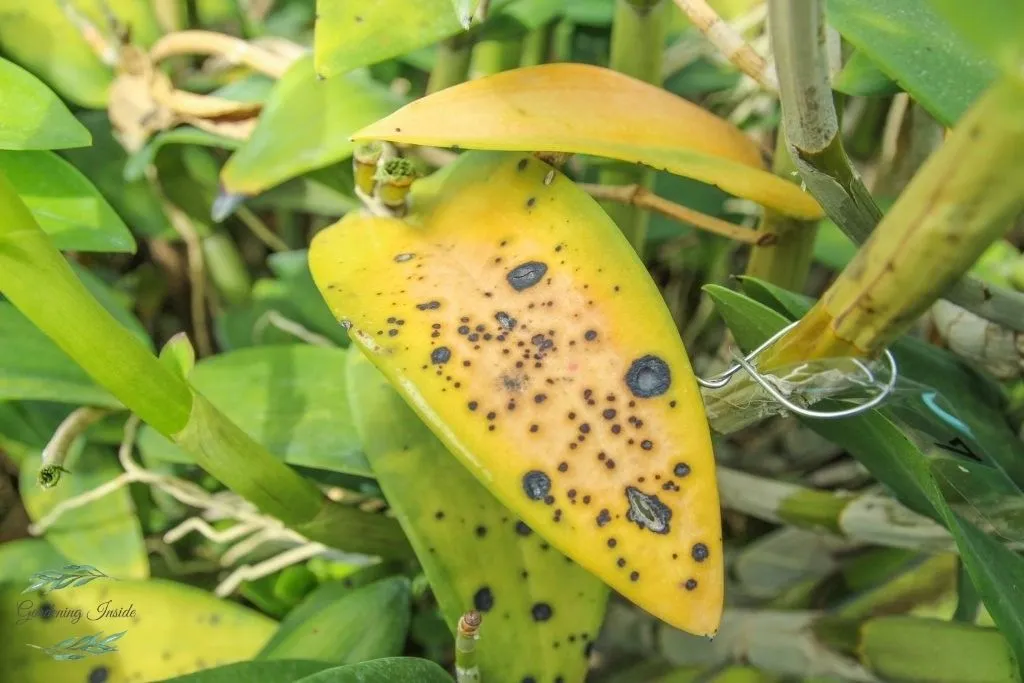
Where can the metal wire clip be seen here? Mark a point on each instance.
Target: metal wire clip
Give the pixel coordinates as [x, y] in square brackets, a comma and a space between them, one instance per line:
[744, 363]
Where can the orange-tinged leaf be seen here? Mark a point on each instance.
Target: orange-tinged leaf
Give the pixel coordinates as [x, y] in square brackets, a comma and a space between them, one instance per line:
[585, 109]
[517, 321]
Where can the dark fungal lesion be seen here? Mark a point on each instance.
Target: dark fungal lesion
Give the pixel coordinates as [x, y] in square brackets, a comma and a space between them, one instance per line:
[402, 258]
[541, 611]
[537, 485]
[699, 552]
[647, 512]
[483, 599]
[648, 376]
[440, 355]
[526, 275]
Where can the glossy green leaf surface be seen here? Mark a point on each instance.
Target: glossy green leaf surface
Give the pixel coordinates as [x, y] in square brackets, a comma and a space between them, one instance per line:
[282, 671]
[292, 269]
[32, 116]
[993, 27]
[524, 330]
[475, 552]
[383, 670]
[65, 203]
[40, 36]
[861, 76]
[877, 440]
[346, 626]
[104, 533]
[918, 49]
[305, 125]
[289, 398]
[169, 629]
[104, 163]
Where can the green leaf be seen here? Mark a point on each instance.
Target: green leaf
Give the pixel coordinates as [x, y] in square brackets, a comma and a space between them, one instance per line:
[280, 671]
[327, 191]
[475, 552]
[305, 125]
[350, 34]
[292, 268]
[347, 626]
[104, 533]
[21, 558]
[915, 47]
[289, 398]
[135, 168]
[878, 442]
[66, 205]
[40, 36]
[104, 164]
[861, 76]
[384, 670]
[993, 27]
[31, 116]
[33, 367]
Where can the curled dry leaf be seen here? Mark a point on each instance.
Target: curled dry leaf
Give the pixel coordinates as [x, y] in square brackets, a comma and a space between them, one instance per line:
[144, 101]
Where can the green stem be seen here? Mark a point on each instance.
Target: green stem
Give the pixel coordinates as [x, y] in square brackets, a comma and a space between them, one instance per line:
[37, 280]
[226, 267]
[451, 66]
[494, 55]
[466, 635]
[535, 46]
[638, 43]
[786, 261]
[798, 43]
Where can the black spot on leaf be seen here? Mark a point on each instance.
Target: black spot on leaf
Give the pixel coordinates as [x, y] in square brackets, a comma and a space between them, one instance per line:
[699, 552]
[440, 355]
[483, 599]
[541, 611]
[647, 511]
[536, 484]
[526, 275]
[648, 376]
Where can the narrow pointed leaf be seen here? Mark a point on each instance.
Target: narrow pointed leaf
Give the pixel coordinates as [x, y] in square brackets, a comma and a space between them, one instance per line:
[306, 124]
[65, 203]
[476, 554]
[588, 109]
[32, 116]
[534, 344]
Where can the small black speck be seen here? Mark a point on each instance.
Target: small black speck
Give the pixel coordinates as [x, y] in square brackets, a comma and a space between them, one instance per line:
[621, 562]
[100, 674]
[534, 428]
[549, 500]
[541, 611]
[439, 514]
[634, 576]
[616, 429]
[522, 164]
[540, 398]
[392, 333]
[646, 444]
[609, 463]
[608, 413]
[699, 552]
[586, 500]
[480, 531]
[491, 415]
[563, 467]
[530, 202]
[522, 529]
[585, 428]
[463, 329]
[612, 543]
[472, 405]
[603, 517]
[590, 335]
[681, 469]
[690, 584]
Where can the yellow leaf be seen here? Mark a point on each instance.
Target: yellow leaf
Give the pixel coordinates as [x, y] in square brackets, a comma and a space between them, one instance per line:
[517, 321]
[586, 109]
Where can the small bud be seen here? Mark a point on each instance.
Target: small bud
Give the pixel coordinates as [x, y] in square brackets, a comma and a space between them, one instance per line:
[395, 178]
[364, 162]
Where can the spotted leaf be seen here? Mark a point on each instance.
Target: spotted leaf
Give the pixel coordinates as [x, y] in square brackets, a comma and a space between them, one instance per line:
[517, 321]
[475, 552]
[587, 109]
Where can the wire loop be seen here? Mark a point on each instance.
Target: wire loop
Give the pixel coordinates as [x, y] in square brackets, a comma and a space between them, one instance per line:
[744, 363]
